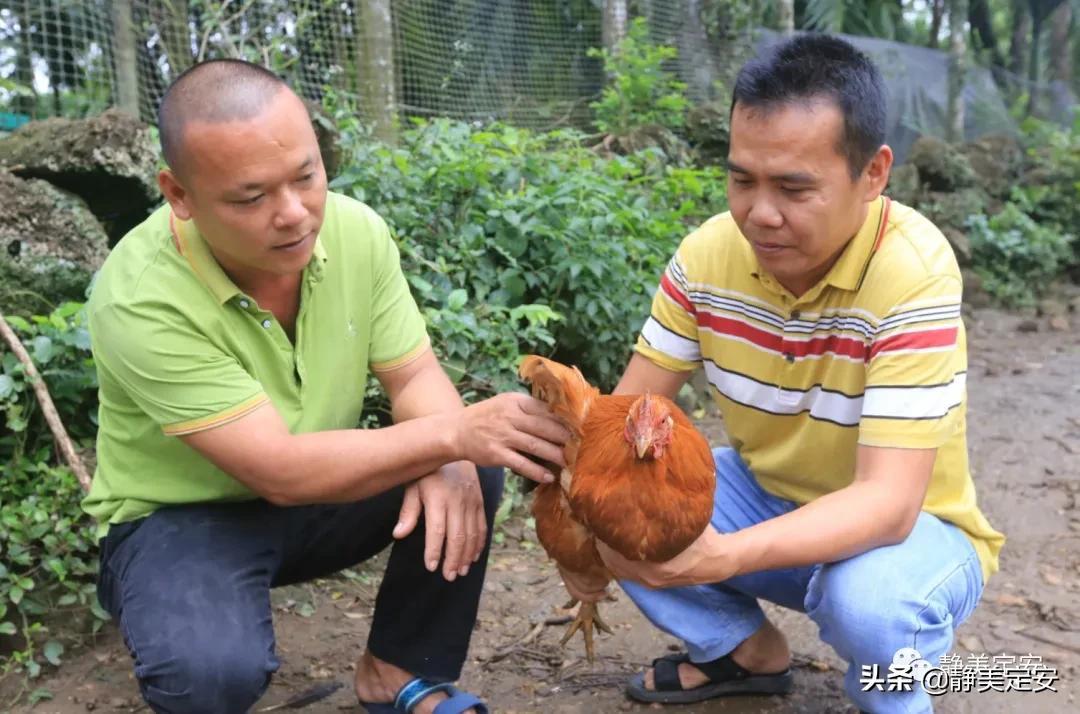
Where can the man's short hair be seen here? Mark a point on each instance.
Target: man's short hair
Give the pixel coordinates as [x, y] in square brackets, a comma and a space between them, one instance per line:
[219, 90]
[817, 66]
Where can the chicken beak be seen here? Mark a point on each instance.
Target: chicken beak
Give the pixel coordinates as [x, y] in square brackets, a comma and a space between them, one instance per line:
[641, 445]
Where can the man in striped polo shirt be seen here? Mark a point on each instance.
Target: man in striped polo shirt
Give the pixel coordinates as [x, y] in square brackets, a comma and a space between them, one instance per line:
[827, 320]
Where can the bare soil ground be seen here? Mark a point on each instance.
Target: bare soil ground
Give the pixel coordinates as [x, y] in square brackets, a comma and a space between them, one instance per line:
[1024, 387]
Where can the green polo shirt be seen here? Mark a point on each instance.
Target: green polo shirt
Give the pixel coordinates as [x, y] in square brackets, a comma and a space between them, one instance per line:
[179, 348]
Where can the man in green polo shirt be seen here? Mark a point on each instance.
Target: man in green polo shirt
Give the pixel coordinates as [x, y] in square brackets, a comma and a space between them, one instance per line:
[233, 332]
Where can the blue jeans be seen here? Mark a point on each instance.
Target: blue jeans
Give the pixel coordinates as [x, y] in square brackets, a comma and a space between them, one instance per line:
[912, 594]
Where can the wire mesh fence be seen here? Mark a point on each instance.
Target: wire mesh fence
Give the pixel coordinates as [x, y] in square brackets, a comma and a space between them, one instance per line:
[524, 61]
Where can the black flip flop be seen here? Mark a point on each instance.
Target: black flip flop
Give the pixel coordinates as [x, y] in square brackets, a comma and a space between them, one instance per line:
[725, 678]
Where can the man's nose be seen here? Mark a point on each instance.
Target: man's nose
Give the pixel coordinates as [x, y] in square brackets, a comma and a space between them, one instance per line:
[764, 213]
[290, 211]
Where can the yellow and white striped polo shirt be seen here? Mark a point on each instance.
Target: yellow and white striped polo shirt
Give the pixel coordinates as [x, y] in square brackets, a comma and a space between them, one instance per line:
[874, 354]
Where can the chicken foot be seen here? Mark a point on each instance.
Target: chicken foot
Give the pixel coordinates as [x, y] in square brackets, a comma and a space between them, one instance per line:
[588, 616]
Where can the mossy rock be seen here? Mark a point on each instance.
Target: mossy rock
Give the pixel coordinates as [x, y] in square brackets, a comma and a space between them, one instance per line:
[650, 136]
[949, 211]
[904, 185]
[50, 245]
[997, 160]
[942, 166]
[708, 127]
[110, 161]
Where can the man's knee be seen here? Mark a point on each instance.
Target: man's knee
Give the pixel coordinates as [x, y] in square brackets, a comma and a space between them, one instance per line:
[224, 676]
[863, 613]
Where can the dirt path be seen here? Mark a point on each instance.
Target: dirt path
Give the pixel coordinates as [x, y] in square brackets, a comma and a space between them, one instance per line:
[1024, 424]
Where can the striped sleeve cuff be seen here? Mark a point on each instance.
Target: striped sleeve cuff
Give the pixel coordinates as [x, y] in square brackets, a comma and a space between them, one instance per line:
[405, 359]
[221, 418]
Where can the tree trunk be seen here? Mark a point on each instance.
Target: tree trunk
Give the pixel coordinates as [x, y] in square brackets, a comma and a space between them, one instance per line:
[376, 64]
[172, 22]
[938, 13]
[24, 67]
[127, 74]
[982, 23]
[785, 11]
[615, 19]
[1060, 44]
[694, 56]
[1018, 47]
[957, 69]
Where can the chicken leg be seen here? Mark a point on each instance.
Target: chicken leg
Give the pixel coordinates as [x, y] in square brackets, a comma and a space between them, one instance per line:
[588, 616]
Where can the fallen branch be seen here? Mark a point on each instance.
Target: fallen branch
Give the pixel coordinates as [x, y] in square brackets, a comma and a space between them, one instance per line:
[46, 402]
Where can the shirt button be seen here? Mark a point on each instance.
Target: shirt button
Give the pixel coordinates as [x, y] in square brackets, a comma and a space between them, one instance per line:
[245, 304]
[790, 357]
[795, 314]
[266, 324]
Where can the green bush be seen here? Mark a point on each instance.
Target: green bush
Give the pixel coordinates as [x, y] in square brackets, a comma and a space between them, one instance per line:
[1015, 256]
[47, 549]
[517, 242]
[639, 91]
[1050, 192]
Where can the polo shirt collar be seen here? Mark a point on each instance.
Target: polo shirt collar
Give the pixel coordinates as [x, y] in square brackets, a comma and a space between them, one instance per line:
[850, 268]
[189, 241]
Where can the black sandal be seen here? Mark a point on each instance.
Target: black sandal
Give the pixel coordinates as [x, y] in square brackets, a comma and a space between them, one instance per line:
[726, 677]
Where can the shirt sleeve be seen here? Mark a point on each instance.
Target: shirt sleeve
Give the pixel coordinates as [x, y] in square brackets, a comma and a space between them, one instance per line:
[915, 383]
[669, 337]
[398, 334]
[170, 369]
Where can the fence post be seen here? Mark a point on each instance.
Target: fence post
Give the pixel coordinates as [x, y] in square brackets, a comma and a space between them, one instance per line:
[957, 69]
[376, 63]
[127, 76]
[614, 25]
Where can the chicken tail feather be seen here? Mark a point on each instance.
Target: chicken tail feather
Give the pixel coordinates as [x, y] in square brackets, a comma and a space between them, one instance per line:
[563, 388]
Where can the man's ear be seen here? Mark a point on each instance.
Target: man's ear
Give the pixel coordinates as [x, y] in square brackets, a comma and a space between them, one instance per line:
[175, 193]
[877, 171]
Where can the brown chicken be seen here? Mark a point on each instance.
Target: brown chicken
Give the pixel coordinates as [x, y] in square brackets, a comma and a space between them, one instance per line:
[639, 478]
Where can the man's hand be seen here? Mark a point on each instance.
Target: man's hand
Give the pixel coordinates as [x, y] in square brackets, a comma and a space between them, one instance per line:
[705, 561]
[503, 429]
[453, 507]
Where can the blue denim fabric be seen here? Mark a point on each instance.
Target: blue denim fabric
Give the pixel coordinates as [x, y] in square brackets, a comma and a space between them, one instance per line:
[913, 594]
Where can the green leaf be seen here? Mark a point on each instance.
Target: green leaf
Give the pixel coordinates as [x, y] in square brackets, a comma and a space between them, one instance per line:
[68, 599]
[98, 611]
[52, 651]
[15, 594]
[33, 669]
[7, 386]
[7, 628]
[457, 299]
[38, 695]
[18, 323]
[43, 349]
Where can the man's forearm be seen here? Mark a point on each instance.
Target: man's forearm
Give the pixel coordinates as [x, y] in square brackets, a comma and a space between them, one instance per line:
[427, 393]
[352, 464]
[836, 526]
[430, 392]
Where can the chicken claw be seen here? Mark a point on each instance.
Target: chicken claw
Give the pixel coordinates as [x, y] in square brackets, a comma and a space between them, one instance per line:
[588, 616]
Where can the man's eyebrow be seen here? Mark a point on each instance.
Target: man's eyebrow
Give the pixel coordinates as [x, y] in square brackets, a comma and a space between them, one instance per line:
[256, 185]
[797, 177]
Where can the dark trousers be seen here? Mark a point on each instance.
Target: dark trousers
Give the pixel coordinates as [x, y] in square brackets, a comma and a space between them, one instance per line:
[190, 588]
